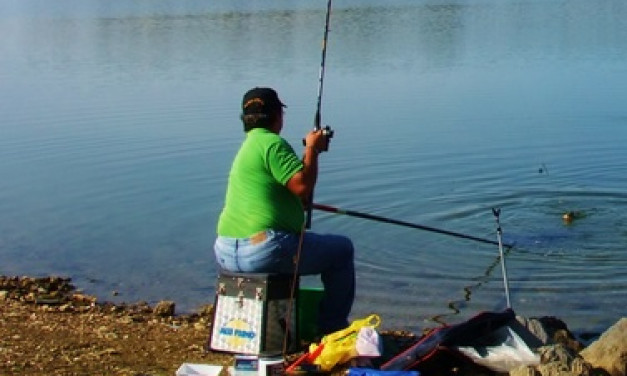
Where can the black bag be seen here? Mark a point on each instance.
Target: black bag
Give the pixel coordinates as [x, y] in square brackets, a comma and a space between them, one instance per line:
[435, 353]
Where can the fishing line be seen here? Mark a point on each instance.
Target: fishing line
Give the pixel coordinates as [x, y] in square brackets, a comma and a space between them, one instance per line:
[295, 280]
[454, 305]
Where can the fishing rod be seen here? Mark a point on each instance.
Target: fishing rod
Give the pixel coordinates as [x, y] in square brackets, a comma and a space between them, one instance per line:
[326, 131]
[377, 218]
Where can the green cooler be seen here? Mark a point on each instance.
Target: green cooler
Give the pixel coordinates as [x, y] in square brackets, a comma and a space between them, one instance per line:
[308, 302]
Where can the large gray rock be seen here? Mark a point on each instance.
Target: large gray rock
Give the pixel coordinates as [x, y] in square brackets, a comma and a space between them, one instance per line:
[539, 336]
[556, 360]
[609, 352]
[560, 360]
[546, 330]
[605, 357]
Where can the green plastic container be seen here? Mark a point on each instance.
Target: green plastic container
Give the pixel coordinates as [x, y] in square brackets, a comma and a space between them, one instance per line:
[308, 303]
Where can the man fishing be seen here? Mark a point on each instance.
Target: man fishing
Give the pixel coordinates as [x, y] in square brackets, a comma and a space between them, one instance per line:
[262, 226]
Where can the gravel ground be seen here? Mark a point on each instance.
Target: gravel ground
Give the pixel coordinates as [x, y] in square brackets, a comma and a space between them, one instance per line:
[49, 328]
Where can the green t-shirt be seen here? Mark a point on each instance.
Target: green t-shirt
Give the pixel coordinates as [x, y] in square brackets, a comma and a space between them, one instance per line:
[256, 197]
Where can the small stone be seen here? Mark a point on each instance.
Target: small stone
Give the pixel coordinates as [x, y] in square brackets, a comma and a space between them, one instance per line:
[83, 299]
[206, 310]
[30, 297]
[109, 352]
[164, 308]
[83, 309]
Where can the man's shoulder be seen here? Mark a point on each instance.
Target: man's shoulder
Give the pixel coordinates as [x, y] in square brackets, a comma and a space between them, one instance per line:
[262, 135]
[267, 138]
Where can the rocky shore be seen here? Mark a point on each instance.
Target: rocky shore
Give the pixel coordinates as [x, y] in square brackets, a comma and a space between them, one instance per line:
[48, 327]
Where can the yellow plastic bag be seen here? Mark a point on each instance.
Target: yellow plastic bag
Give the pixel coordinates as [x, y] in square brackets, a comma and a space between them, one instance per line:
[339, 347]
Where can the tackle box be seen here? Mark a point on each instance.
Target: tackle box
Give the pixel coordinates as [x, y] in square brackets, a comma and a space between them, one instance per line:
[251, 313]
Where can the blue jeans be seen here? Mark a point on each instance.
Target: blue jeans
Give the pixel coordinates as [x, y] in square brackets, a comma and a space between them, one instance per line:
[271, 251]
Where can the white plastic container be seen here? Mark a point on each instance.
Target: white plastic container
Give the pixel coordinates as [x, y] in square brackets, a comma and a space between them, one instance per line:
[271, 366]
[190, 369]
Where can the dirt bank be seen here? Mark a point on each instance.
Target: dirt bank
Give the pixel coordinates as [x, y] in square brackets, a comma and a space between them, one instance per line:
[47, 328]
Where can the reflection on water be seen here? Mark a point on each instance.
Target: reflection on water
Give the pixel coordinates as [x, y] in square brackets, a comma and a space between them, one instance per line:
[119, 121]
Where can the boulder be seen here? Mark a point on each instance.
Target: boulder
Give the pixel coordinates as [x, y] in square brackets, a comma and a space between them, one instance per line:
[539, 337]
[556, 346]
[609, 352]
[557, 360]
[547, 330]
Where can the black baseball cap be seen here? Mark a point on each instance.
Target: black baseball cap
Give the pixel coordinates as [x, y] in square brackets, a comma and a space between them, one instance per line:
[261, 100]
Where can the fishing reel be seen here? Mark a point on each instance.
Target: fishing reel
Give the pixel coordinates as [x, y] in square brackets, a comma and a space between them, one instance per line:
[327, 133]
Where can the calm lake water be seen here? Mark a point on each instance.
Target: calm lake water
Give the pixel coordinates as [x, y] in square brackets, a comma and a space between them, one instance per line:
[119, 120]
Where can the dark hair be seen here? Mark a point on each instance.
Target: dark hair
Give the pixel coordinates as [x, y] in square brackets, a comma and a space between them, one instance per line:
[258, 120]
